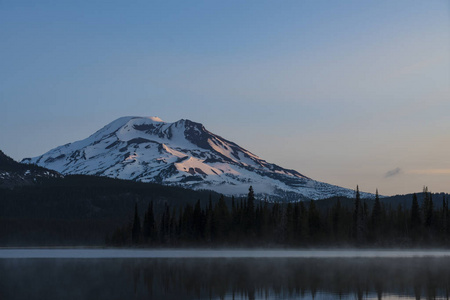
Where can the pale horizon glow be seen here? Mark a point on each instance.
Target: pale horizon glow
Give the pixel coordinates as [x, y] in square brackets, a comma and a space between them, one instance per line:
[345, 92]
[431, 172]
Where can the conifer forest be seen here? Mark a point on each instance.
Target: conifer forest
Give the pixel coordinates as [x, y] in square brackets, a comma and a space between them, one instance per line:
[253, 223]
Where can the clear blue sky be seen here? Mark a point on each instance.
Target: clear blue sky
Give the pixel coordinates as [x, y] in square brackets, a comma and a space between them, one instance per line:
[346, 92]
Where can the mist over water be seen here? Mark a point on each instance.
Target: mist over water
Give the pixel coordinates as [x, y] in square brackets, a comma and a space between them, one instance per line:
[205, 253]
[320, 277]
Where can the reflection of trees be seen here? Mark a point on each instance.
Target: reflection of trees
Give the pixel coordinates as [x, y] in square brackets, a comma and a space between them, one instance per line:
[355, 278]
[259, 278]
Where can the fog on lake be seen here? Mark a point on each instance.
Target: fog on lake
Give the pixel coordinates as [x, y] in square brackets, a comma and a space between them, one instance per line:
[222, 274]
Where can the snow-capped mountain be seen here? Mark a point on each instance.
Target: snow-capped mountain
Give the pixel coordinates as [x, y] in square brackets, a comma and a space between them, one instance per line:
[181, 153]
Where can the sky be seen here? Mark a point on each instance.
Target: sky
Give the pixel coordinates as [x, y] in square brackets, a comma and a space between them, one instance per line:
[345, 92]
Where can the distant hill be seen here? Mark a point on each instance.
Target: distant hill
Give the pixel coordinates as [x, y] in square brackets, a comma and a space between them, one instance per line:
[80, 209]
[393, 201]
[14, 174]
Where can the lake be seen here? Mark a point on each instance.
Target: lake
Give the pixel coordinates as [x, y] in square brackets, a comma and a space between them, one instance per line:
[223, 274]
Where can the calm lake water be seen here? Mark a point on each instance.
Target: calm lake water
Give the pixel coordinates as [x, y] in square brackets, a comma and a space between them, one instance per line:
[205, 274]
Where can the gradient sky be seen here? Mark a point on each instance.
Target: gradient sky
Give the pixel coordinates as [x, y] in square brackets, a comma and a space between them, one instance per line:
[345, 92]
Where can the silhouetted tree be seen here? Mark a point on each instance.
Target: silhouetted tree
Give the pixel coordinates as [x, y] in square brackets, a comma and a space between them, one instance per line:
[445, 218]
[165, 225]
[375, 219]
[209, 221]
[358, 218]
[290, 224]
[250, 211]
[198, 222]
[136, 229]
[221, 219]
[314, 223]
[427, 210]
[415, 221]
[149, 227]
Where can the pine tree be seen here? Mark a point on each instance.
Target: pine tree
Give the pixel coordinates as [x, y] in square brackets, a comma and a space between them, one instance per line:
[265, 216]
[375, 219]
[336, 219]
[314, 223]
[290, 227]
[221, 219]
[415, 222]
[188, 223]
[296, 230]
[250, 211]
[444, 220]
[209, 222]
[149, 228]
[251, 199]
[356, 214]
[276, 222]
[136, 229]
[427, 208]
[401, 222]
[165, 225]
[358, 218]
[304, 226]
[198, 220]
[173, 237]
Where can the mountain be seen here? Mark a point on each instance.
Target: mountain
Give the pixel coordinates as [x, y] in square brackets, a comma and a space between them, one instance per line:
[13, 173]
[184, 154]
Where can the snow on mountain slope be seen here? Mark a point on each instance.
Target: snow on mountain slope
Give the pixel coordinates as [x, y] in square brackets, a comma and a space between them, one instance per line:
[180, 153]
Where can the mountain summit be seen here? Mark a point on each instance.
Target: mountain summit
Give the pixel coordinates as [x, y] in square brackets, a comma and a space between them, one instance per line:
[182, 153]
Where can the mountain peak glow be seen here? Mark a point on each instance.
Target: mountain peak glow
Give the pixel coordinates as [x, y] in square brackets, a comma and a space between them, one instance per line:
[156, 119]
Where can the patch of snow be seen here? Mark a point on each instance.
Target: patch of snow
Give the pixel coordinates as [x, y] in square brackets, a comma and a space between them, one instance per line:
[195, 163]
[221, 149]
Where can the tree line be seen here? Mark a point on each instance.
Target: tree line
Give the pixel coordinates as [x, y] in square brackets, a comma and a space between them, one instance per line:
[249, 222]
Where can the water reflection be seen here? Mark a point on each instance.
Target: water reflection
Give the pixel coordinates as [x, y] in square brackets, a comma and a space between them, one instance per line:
[213, 278]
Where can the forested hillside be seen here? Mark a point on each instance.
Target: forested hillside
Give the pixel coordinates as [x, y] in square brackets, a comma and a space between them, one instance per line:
[336, 222]
[89, 210]
[80, 210]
